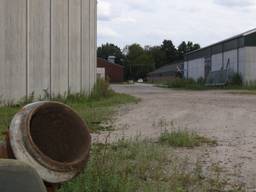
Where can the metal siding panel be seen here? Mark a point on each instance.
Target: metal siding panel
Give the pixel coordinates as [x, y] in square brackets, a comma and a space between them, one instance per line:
[39, 46]
[185, 69]
[59, 63]
[217, 49]
[250, 40]
[231, 45]
[216, 62]
[13, 49]
[241, 42]
[232, 56]
[250, 67]
[75, 46]
[86, 46]
[196, 68]
[242, 62]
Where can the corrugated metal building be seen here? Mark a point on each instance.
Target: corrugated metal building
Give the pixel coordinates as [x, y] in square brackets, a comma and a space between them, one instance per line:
[167, 72]
[113, 71]
[47, 45]
[238, 53]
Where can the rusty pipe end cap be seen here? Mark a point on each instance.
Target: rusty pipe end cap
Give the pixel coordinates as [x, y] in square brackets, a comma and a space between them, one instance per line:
[52, 138]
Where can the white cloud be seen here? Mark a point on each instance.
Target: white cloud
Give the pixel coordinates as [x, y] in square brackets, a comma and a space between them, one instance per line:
[149, 22]
[235, 3]
[106, 32]
[104, 10]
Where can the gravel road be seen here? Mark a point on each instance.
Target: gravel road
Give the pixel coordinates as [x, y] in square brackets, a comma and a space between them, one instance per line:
[226, 117]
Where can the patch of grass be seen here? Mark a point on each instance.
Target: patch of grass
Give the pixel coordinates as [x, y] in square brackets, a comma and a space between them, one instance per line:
[189, 84]
[94, 109]
[134, 165]
[96, 112]
[235, 83]
[183, 138]
[6, 115]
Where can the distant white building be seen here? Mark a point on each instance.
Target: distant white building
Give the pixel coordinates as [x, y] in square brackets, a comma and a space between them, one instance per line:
[236, 54]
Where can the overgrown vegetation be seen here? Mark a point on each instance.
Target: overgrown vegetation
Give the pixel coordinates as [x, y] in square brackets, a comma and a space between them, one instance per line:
[235, 83]
[146, 166]
[186, 84]
[94, 109]
[183, 138]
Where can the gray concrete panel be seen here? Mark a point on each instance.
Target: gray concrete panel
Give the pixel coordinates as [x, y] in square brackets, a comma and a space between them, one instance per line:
[38, 46]
[75, 46]
[86, 46]
[59, 47]
[93, 39]
[47, 45]
[12, 49]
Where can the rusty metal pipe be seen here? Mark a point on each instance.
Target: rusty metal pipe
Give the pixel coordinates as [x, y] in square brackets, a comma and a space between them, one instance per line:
[50, 137]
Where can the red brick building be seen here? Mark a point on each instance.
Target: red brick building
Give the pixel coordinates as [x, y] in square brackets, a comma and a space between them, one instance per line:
[114, 72]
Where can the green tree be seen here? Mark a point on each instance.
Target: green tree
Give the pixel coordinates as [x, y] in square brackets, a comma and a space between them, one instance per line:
[170, 51]
[186, 47]
[158, 55]
[106, 50]
[139, 62]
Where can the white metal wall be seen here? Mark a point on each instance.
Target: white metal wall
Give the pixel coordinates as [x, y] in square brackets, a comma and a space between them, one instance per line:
[196, 68]
[232, 56]
[242, 60]
[250, 65]
[221, 59]
[47, 45]
[185, 69]
[217, 60]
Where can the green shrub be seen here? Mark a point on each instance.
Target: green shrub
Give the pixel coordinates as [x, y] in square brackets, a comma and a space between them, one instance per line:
[101, 89]
[185, 84]
[183, 139]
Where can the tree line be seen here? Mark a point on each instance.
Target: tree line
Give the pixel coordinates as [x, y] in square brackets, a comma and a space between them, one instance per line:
[138, 61]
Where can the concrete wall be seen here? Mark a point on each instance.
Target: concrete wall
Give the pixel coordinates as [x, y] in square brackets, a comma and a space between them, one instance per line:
[47, 45]
[13, 57]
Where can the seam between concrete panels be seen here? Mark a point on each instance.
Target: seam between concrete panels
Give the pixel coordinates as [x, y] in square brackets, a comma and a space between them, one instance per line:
[68, 44]
[50, 35]
[90, 51]
[27, 48]
[81, 46]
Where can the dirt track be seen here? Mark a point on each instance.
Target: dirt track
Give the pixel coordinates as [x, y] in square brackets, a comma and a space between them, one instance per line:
[226, 117]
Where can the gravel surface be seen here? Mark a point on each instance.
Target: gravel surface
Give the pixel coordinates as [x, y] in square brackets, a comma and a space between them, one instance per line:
[228, 118]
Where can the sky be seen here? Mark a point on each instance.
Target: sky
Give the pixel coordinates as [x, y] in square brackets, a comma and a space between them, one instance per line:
[149, 22]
